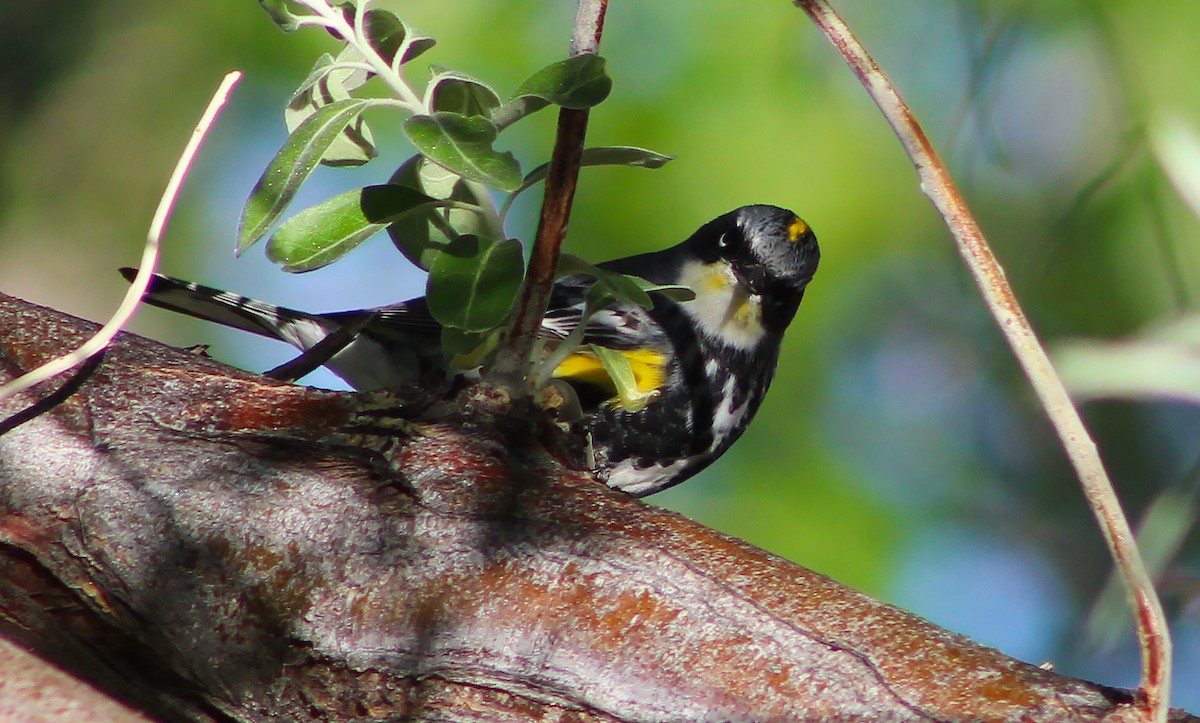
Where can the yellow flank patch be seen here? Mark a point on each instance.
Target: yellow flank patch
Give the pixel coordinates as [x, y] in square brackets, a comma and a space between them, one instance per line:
[582, 367]
[797, 229]
[649, 370]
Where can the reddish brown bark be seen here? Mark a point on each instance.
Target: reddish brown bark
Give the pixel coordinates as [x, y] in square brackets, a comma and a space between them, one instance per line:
[207, 544]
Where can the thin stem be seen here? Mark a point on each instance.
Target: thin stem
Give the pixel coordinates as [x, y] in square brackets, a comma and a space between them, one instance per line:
[483, 206]
[506, 205]
[516, 345]
[442, 224]
[334, 20]
[936, 183]
[133, 296]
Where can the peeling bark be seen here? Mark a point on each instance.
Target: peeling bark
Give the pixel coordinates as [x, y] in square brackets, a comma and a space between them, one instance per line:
[206, 544]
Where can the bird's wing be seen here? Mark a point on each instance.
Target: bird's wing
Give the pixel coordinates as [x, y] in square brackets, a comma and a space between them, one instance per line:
[620, 325]
[395, 320]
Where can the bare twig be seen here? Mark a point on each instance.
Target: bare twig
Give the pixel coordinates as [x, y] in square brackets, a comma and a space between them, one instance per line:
[133, 296]
[514, 356]
[315, 356]
[936, 183]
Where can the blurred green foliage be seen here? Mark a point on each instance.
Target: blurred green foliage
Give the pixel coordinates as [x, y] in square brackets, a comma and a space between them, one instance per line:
[897, 410]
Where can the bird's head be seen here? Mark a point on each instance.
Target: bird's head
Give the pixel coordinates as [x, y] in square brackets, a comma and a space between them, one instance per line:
[749, 269]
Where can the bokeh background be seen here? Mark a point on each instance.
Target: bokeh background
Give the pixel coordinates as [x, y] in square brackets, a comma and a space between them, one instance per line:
[900, 450]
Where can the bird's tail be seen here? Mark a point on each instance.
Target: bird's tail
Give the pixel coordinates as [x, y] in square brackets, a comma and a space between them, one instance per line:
[223, 307]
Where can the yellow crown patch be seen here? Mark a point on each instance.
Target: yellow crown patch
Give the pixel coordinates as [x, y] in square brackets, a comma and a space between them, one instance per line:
[797, 229]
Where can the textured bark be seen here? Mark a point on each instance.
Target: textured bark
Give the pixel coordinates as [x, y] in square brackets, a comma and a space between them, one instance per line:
[206, 544]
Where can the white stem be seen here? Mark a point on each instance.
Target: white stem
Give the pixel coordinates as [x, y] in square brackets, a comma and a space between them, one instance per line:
[334, 20]
[133, 296]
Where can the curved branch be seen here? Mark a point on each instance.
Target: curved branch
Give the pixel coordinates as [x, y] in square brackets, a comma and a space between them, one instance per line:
[1153, 634]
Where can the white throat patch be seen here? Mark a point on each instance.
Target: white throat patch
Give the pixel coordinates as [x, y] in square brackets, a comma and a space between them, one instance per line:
[724, 310]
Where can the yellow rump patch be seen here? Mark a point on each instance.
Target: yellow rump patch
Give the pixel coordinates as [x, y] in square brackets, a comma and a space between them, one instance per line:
[797, 229]
[649, 370]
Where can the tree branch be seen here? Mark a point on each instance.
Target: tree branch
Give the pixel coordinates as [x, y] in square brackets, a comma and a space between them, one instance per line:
[210, 545]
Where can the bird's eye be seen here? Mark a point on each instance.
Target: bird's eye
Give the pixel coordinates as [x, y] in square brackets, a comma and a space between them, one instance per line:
[723, 241]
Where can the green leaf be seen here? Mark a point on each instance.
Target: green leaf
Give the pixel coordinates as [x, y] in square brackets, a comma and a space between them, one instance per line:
[419, 235]
[457, 92]
[618, 369]
[438, 181]
[577, 82]
[322, 234]
[413, 237]
[601, 156]
[291, 166]
[674, 292]
[463, 144]
[308, 95]
[353, 147]
[417, 44]
[326, 79]
[1156, 364]
[282, 14]
[387, 34]
[350, 79]
[473, 282]
[612, 286]
[327, 84]
[467, 349]
[416, 235]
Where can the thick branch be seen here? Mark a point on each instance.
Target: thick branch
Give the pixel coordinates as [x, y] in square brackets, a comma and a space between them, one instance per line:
[207, 543]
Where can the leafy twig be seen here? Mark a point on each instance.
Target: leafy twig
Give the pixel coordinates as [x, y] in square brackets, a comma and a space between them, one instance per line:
[133, 296]
[517, 344]
[332, 18]
[936, 183]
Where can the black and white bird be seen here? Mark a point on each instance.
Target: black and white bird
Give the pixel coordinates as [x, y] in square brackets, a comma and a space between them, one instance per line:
[703, 365]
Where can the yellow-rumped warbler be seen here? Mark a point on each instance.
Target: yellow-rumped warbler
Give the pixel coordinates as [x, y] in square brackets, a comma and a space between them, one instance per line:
[707, 361]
